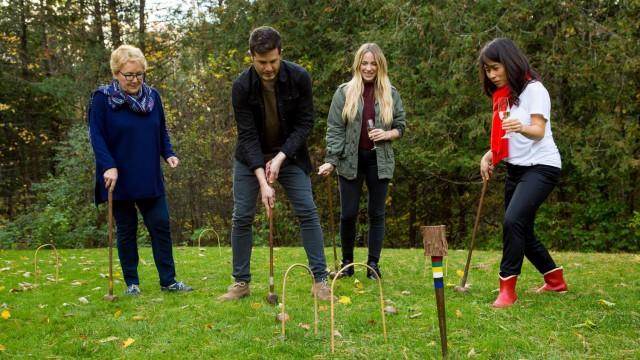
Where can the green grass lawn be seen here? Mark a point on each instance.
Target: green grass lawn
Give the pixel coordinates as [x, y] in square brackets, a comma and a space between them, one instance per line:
[598, 319]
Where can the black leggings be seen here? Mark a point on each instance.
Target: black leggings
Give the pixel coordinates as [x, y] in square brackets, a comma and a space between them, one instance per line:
[350, 191]
[526, 187]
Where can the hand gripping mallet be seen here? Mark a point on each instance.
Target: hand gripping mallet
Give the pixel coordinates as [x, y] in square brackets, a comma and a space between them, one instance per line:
[272, 298]
[463, 283]
[435, 245]
[110, 296]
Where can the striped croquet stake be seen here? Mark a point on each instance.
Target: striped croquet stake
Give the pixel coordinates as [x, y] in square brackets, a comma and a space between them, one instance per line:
[435, 245]
[438, 285]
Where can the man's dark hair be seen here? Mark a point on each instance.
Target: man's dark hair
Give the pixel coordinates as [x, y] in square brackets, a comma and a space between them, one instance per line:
[264, 39]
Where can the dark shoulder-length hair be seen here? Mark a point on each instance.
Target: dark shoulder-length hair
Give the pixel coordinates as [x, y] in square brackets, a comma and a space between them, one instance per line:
[516, 64]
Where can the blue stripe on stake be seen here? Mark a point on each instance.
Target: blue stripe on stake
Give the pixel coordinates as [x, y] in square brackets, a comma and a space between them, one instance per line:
[438, 283]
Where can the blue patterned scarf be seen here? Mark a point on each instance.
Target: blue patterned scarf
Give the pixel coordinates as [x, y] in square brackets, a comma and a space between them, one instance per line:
[142, 103]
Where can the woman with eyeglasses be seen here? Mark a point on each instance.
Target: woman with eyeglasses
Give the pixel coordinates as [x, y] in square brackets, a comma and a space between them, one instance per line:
[129, 135]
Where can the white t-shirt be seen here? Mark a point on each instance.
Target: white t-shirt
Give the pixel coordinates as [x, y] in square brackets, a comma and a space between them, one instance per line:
[522, 150]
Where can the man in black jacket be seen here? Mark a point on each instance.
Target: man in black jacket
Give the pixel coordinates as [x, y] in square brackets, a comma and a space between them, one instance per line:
[273, 107]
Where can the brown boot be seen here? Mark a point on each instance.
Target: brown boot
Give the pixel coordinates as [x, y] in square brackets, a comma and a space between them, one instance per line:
[322, 290]
[236, 291]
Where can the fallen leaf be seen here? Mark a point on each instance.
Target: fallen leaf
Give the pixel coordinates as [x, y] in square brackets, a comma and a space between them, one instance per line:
[96, 288]
[345, 300]
[137, 318]
[42, 306]
[208, 326]
[406, 292]
[78, 283]
[589, 324]
[337, 333]
[391, 310]
[416, 315]
[127, 343]
[117, 313]
[184, 307]
[256, 305]
[280, 316]
[471, 353]
[5, 269]
[304, 326]
[204, 278]
[358, 284]
[5, 314]
[606, 303]
[26, 274]
[83, 300]
[323, 308]
[2, 348]
[45, 319]
[460, 273]
[371, 322]
[458, 313]
[108, 339]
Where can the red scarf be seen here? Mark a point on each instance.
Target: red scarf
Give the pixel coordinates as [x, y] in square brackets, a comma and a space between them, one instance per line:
[499, 146]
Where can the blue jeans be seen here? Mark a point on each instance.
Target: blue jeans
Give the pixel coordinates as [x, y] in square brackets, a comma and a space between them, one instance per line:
[525, 189]
[297, 185]
[350, 191]
[156, 218]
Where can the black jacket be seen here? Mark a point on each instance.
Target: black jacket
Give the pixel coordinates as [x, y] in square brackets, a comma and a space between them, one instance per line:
[295, 110]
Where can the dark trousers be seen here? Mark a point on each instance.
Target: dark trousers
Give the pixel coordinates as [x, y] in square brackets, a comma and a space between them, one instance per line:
[350, 191]
[297, 185]
[155, 213]
[526, 187]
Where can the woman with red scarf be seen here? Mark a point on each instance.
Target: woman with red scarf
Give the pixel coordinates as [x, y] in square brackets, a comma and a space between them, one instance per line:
[532, 160]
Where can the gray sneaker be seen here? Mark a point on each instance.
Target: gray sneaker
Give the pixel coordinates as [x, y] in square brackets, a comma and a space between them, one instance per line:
[178, 286]
[132, 290]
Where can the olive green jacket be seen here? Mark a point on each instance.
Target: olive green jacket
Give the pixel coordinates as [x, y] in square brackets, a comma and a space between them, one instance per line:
[343, 137]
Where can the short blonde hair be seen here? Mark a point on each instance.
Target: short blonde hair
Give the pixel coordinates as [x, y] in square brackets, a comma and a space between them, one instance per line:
[124, 54]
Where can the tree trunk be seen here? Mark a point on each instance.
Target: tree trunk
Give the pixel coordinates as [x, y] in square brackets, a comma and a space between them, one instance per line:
[142, 26]
[44, 40]
[115, 24]
[97, 14]
[24, 40]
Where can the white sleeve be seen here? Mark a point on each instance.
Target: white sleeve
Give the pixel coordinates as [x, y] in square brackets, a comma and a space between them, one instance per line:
[539, 101]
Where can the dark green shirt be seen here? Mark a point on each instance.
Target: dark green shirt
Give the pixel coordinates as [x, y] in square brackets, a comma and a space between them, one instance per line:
[272, 136]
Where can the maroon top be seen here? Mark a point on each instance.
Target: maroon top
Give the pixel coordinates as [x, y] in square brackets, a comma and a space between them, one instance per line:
[368, 112]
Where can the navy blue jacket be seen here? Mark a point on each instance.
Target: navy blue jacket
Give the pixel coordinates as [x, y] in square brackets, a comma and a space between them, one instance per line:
[131, 142]
[295, 110]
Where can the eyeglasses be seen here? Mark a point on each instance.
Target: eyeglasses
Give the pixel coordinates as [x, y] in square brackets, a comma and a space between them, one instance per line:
[131, 76]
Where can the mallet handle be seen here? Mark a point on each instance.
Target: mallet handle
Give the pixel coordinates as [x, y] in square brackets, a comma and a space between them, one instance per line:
[463, 282]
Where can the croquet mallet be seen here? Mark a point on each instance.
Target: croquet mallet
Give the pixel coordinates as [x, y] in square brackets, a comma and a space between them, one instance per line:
[272, 297]
[110, 296]
[463, 283]
[332, 233]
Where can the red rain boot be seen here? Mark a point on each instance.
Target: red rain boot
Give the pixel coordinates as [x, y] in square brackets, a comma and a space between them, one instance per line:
[507, 295]
[554, 281]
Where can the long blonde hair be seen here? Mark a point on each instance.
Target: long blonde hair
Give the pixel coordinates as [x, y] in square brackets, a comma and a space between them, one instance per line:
[382, 88]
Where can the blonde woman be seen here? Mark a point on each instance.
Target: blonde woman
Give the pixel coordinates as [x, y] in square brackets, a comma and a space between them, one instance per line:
[129, 136]
[366, 115]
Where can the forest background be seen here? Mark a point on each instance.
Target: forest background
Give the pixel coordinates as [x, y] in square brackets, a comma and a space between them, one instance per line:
[55, 52]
